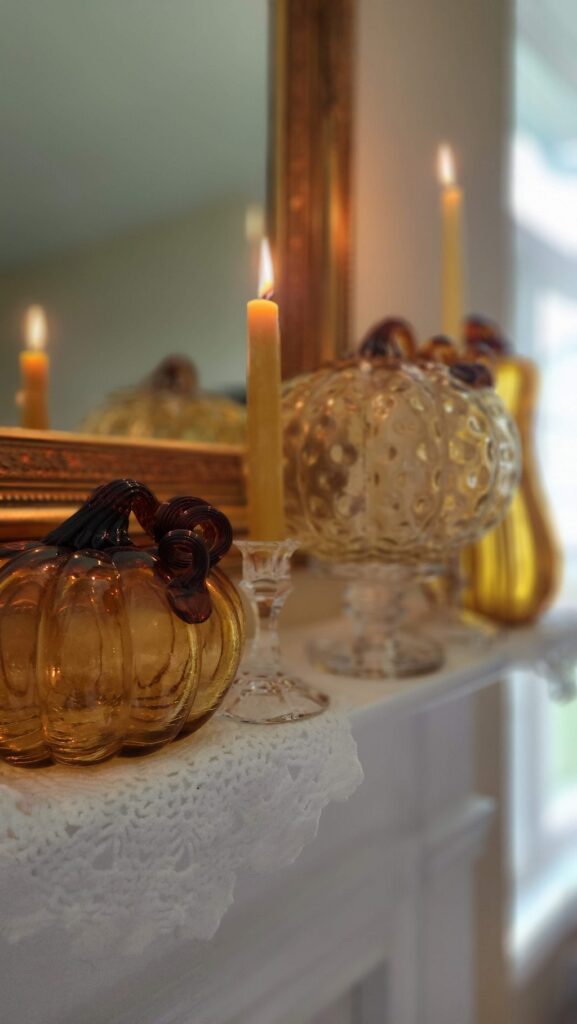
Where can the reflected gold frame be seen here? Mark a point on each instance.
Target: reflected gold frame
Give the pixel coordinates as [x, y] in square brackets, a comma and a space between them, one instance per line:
[45, 475]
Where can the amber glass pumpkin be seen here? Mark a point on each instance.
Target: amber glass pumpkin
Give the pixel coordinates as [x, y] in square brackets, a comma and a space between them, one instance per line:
[101, 642]
[222, 634]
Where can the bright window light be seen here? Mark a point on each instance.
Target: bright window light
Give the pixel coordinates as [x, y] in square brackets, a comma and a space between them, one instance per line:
[544, 200]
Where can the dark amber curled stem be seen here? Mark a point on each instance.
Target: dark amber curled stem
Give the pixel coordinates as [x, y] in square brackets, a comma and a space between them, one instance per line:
[194, 514]
[185, 557]
[438, 349]
[389, 338]
[482, 334]
[474, 375]
[102, 521]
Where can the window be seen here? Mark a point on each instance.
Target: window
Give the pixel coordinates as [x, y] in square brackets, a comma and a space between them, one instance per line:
[544, 734]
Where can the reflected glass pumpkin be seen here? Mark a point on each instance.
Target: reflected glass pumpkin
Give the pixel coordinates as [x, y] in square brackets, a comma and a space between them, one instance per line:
[169, 404]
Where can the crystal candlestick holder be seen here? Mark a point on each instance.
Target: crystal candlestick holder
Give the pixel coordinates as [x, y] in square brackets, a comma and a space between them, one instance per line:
[264, 693]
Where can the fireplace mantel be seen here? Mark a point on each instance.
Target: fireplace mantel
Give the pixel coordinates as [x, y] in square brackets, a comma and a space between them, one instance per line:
[380, 902]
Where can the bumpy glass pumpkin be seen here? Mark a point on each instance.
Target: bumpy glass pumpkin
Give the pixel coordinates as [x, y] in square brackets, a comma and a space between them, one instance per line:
[394, 461]
[481, 460]
[102, 643]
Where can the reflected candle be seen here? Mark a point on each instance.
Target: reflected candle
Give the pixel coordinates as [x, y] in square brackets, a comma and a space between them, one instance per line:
[265, 460]
[452, 251]
[34, 367]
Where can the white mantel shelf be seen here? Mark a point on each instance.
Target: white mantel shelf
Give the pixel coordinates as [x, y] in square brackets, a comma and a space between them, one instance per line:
[384, 892]
[464, 671]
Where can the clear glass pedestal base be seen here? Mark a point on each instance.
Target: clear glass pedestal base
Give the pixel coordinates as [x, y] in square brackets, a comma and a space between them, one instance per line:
[264, 693]
[274, 701]
[445, 616]
[374, 641]
[462, 629]
[405, 655]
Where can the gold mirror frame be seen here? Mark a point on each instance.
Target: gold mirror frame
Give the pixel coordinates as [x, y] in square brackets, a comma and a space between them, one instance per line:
[45, 475]
[310, 181]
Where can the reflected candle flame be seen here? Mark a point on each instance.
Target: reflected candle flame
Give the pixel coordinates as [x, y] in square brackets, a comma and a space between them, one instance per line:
[446, 166]
[35, 328]
[266, 273]
[254, 222]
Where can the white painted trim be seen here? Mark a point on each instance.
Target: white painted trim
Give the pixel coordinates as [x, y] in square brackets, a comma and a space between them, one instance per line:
[459, 834]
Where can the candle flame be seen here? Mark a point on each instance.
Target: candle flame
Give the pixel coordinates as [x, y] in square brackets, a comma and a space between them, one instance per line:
[266, 273]
[35, 329]
[446, 166]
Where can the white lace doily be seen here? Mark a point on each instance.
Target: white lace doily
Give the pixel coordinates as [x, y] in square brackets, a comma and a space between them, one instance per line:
[126, 852]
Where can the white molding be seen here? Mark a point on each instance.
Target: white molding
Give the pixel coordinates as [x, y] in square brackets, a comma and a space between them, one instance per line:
[388, 880]
[459, 833]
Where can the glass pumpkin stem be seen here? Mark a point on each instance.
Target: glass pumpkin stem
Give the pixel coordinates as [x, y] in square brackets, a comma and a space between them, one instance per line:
[264, 693]
[195, 514]
[185, 555]
[102, 521]
[376, 646]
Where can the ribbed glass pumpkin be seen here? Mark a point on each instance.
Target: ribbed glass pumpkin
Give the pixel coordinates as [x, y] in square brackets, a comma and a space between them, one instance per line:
[102, 643]
[223, 633]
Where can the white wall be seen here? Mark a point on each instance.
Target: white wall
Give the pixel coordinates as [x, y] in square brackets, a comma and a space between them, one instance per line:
[117, 307]
[429, 70]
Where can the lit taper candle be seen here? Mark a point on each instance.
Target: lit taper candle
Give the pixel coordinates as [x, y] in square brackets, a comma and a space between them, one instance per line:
[34, 367]
[265, 463]
[452, 251]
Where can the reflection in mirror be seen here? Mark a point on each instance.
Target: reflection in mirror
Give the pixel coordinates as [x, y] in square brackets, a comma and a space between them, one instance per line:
[132, 189]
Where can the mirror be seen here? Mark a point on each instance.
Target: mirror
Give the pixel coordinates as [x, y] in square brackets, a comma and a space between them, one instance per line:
[132, 191]
[133, 171]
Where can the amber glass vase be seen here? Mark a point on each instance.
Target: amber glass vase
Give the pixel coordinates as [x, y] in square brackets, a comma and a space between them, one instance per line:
[513, 572]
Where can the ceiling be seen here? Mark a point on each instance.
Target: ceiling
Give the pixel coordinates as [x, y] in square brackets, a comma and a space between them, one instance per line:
[119, 113]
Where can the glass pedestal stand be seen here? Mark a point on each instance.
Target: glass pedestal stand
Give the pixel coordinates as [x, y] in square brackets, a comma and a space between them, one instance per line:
[446, 616]
[375, 644]
[263, 692]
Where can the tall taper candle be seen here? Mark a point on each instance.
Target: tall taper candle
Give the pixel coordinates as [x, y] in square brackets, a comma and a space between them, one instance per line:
[452, 251]
[34, 367]
[265, 462]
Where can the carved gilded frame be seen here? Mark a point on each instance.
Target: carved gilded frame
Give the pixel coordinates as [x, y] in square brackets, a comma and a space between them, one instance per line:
[313, 48]
[45, 475]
